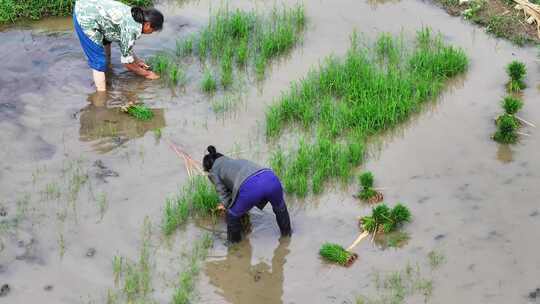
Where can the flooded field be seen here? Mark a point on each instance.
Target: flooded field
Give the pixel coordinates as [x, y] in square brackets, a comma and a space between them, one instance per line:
[474, 202]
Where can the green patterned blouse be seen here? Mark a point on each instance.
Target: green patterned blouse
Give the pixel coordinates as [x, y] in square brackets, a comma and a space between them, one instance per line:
[110, 20]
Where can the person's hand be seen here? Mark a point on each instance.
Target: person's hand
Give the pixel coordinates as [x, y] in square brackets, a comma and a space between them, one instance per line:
[221, 207]
[142, 64]
[152, 76]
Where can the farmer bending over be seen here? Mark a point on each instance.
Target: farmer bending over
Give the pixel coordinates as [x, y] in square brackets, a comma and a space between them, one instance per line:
[100, 22]
[241, 185]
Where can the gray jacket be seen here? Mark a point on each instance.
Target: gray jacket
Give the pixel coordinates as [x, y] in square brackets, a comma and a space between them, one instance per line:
[228, 174]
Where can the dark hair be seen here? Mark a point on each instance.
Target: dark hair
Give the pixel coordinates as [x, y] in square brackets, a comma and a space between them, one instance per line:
[208, 160]
[152, 15]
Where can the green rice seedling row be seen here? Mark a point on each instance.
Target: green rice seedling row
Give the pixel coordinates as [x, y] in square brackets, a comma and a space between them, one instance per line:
[346, 100]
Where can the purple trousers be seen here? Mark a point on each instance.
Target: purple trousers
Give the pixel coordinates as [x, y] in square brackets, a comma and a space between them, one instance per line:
[257, 190]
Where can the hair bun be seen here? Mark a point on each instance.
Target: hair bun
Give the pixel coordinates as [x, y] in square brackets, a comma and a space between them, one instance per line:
[211, 150]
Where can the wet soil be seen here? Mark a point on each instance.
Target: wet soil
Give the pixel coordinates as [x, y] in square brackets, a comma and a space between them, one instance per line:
[472, 200]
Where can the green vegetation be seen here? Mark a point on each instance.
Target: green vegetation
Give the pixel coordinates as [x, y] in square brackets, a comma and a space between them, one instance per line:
[507, 127]
[235, 36]
[335, 253]
[508, 123]
[208, 83]
[102, 204]
[383, 219]
[435, 259]
[347, 100]
[139, 111]
[136, 275]
[516, 71]
[511, 105]
[397, 286]
[12, 10]
[366, 181]
[184, 291]
[197, 198]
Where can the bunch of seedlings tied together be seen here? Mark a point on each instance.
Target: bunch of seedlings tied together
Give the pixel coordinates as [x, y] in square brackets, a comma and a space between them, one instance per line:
[385, 220]
[347, 100]
[138, 111]
[337, 254]
[368, 193]
[516, 71]
[509, 123]
[233, 38]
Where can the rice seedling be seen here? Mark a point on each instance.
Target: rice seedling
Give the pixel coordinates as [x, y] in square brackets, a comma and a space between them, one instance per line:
[52, 191]
[117, 268]
[385, 220]
[102, 204]
[506, 129]
[435, 259]
[242, 52]
[400, 286]
[157, 134]
[235, 36]
[367, 192]
[197, 198]
[511, 105]
[349, 99]
[208, 84]
[227, 68]
[185, 47]
[138, 111]
[516, 71]
[336, 254]
[160, 63]
[174, 74]
[61, 245]
[137, 275]
[183, 293]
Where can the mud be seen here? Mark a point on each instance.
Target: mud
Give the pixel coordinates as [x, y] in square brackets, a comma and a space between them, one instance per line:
[472, 200]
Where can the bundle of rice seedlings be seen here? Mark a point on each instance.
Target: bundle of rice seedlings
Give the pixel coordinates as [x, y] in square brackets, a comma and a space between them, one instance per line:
[385, 220]
[368, 193]
[506, 129]
[516, 71]
[336, 254]
[139, 111]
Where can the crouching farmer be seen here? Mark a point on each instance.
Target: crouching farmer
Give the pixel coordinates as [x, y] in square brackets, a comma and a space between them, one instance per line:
[242, 185]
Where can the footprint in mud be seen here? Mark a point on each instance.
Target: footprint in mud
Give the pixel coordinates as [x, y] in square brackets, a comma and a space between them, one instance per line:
[535, 294]
[48, 287]
[91, 252]
[103, 172]
[4, 290]
[3, 211]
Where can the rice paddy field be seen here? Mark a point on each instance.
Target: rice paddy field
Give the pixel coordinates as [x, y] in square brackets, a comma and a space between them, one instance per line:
[351, 102]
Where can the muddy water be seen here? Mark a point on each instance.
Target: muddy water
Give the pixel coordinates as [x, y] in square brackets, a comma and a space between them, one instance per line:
[472, 200]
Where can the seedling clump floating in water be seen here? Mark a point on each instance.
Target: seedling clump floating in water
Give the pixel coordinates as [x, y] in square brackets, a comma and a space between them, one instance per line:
[336, 254]
[512, 105]
[139, 111]
[506, 129]
[516, 71]
[368, 193]
[386, 220]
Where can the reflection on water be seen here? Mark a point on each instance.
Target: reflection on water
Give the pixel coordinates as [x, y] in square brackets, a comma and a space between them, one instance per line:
[505, 153]
[108, 128]
[240, 282]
